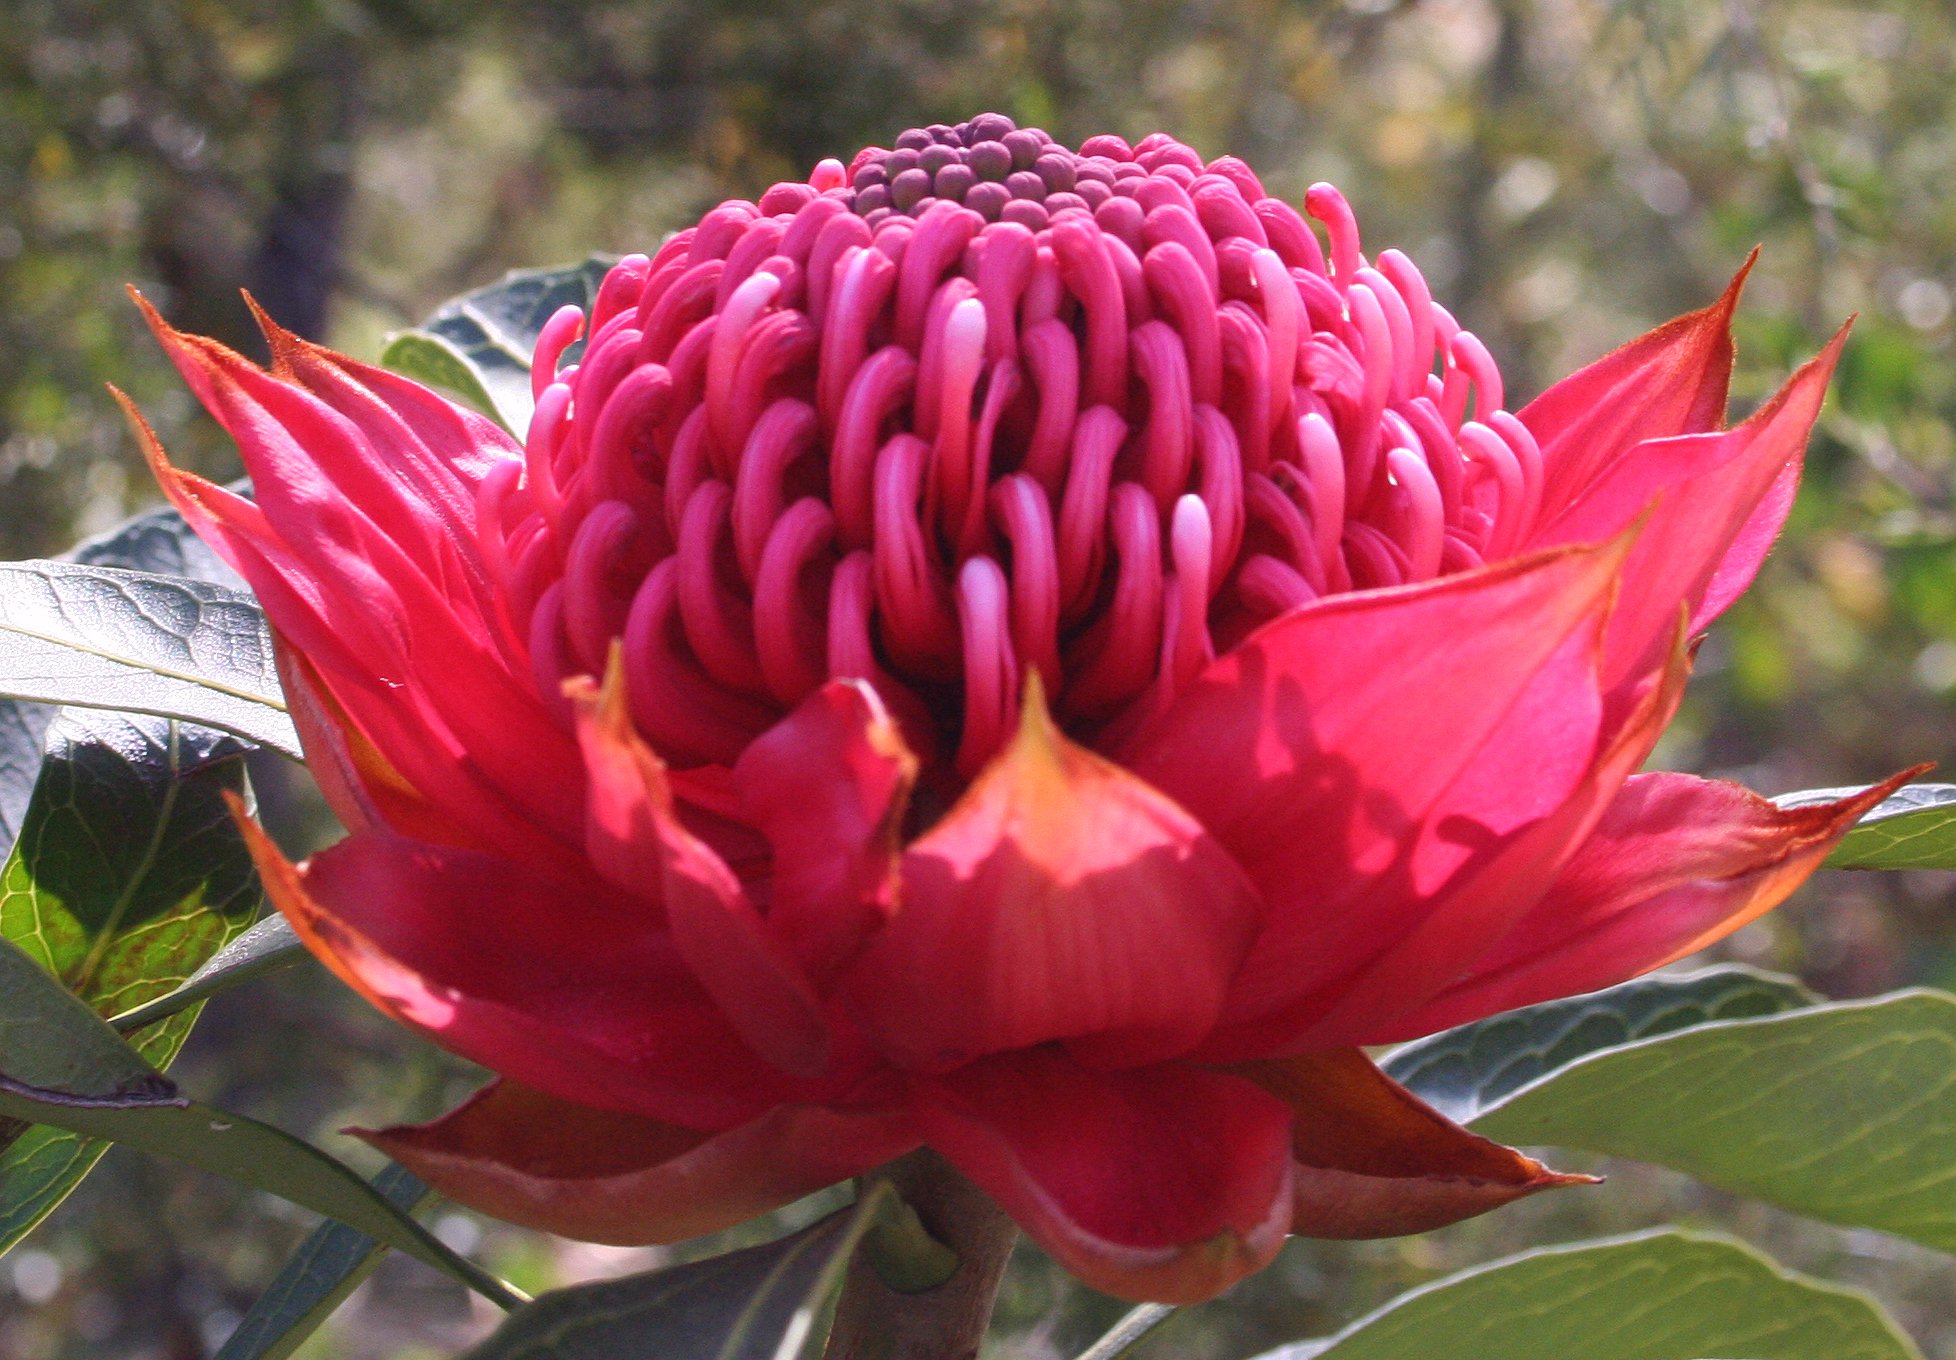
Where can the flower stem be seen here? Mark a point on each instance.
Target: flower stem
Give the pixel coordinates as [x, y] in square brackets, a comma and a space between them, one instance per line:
[880, 1320]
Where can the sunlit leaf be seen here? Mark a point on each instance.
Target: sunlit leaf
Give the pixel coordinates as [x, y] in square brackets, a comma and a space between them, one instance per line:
[264, 948]
[478, 345]
[1845, 1112]
[61, 1065]
[137, 642]
[329, 1265]
[1914, 828]
[757, 1304]
[1462, 1071]
[1654, 1296]
[128, 877]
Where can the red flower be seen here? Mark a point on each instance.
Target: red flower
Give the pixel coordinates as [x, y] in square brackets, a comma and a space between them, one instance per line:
[1002, 648]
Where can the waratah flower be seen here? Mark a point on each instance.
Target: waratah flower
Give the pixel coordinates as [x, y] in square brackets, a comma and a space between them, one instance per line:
[1015, 650]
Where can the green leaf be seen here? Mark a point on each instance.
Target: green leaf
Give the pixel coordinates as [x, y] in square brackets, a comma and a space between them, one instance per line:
[264, 948]
[329, 1265]
[157, 541]
[1653, 1296]
[128, 876]
[479, 345]
[1843, 1112]
[1912, 828]
[61, 1065]
[757, 1304]
[137, 642]
[1463, 1071]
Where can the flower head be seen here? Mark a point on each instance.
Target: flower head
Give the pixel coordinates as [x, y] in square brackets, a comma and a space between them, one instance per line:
[1013, 649]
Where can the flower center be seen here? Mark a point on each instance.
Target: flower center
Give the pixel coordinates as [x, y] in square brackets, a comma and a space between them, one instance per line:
[982, 405]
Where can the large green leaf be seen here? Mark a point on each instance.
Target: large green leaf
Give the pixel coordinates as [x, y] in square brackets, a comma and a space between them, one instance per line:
[1844, 1112]
[127, 878]
[157, 541]
[478, 345]
[63, 1066]
[757, 1304]
[329, 1265]
[1913, 828]
[1463, 1071]
[1654, 1296]
[138, 642]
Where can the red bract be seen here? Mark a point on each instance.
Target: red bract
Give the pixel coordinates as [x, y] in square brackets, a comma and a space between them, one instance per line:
[1006, 649]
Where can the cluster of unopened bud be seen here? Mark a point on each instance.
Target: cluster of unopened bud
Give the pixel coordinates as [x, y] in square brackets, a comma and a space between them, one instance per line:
[1001, 172]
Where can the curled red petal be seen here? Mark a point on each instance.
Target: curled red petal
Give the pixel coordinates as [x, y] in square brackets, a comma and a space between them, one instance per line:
[1669, 381]
[557, 980]
[828, 786]
[1322, 751]
[1060, 899]
[606, 1176]
[1373, 1160]
[1675, 864]
[1167, 1182]
[635, 839]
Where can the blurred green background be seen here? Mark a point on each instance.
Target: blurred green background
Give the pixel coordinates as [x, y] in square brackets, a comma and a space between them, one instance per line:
[1566, 173]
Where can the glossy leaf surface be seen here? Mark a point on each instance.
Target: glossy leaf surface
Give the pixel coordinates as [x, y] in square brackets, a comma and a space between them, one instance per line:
[1463, 1071]
[478, 345]
[329, 1265]
[138, 642]
[1844, 1112]
[1654, 1296]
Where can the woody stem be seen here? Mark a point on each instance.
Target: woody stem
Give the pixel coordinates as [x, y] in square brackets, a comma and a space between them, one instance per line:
[899, 1302]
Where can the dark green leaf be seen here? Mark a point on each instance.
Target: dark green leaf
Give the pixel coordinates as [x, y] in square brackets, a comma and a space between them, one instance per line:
[1844, 1112]
[23, 727]
[267, 946]
[1913, 828]
[757, 1304]
[1462, 1071]
[159, 541]
[479, 345]
[127, 878]
[141, 643]
[61, 1065]
[329, 1265]
[1654, 1296]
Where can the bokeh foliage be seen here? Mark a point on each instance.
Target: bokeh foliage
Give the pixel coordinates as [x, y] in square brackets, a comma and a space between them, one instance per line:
[1567, 172]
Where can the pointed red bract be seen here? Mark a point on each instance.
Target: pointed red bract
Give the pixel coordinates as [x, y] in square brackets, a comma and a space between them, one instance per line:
[1324, 750]
[834, 842]
[1039, 672]
[1694, 497]
[1675, 864]
[1164, 1182]
[606, 1176]
[1670, 381]
[635, 838]
[1373, 1160]
[541, 977]
[1061, 899]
